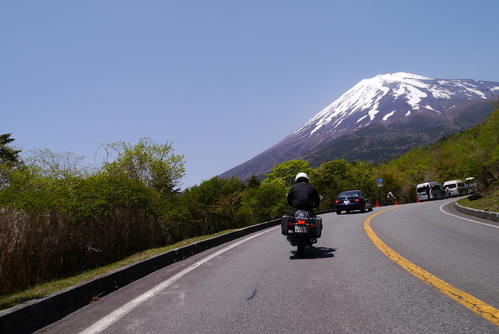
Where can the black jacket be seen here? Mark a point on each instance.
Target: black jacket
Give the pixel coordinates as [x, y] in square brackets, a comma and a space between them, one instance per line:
[303, 196]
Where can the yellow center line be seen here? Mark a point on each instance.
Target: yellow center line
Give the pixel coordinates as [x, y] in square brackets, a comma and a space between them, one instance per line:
[474, 304]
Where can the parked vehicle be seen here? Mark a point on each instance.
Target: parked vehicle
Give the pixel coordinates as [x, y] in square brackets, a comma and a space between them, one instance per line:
[301, 229]
[353, 200]
[429, 191]
[472, 186]
[455, 188]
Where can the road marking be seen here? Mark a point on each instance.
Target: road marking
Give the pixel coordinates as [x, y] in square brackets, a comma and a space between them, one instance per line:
[485, 310]
[111, 318]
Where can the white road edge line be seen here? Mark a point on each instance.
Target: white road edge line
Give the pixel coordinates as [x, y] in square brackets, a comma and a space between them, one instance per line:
[114, 316]
[471, 220]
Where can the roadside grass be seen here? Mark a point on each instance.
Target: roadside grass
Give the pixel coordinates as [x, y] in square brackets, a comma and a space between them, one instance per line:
[42, 290]
[489, 202]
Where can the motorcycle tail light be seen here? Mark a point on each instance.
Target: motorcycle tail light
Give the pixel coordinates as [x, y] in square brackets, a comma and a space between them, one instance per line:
[312, 225]
[290, 223]
[301, 222]
[357, 200]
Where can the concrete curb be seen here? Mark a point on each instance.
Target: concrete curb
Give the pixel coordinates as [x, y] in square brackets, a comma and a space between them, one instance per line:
[36, 314]
[477, 213]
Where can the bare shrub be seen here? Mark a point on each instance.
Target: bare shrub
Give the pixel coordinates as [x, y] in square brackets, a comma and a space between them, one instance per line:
[35, 249]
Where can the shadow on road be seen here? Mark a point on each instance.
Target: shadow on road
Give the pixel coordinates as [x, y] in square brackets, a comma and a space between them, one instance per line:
[314, 253]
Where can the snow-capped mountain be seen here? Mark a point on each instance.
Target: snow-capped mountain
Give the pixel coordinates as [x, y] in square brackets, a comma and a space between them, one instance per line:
[391, 97]
[363, 122]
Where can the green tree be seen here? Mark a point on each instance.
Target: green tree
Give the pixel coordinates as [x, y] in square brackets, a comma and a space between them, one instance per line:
[416, 165]
[394, 182]
[7, 153]
[288, 170]
[330, 179]
[253, 182]
[214, 204]
[27, 190]
[471, 154]
[266, 202]
[149, 162]
[490, 144]
[9, 157]
[360, 176]
[58, 165]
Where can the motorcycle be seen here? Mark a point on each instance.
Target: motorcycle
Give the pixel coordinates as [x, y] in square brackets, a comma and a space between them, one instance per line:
[301, 229]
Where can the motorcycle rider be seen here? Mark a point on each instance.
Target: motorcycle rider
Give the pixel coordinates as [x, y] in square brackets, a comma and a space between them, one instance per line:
[303, 196]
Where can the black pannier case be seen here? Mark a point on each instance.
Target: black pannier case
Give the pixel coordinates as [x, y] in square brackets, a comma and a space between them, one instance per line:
[317, 220]
[284, 224]
[318, 225]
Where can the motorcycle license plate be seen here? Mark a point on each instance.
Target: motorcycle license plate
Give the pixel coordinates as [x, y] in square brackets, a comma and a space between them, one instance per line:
[301, 229]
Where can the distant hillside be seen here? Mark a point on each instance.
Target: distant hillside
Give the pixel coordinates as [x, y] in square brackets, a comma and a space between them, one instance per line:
[380, 143]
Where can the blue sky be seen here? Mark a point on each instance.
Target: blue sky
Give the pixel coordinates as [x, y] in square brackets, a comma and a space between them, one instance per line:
[220, 80]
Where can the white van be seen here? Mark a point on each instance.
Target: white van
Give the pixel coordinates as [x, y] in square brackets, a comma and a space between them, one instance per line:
[429, 190]
[455, 188]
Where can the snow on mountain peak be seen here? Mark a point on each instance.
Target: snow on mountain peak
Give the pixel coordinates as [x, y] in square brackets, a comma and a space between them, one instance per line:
[401, 76]
[392, 95]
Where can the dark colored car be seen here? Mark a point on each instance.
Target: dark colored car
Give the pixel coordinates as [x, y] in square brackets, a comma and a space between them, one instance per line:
[353, 200]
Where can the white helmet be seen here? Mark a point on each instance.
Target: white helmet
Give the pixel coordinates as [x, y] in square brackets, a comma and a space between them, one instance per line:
[301, 175]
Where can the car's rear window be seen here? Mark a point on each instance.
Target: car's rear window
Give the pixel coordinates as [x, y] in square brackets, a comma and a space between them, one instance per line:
[350, 194]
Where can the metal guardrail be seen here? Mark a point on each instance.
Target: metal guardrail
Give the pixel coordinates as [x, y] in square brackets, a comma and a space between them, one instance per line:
[477, 213]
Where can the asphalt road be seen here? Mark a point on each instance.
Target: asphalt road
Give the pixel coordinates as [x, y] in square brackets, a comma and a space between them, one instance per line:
[345, 284]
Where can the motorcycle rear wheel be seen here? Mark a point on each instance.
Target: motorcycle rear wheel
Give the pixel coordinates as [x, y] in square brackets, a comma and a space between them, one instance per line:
[301, 247]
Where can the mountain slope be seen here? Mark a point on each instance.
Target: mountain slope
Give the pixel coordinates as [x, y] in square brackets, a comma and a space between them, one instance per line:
[379, 119]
